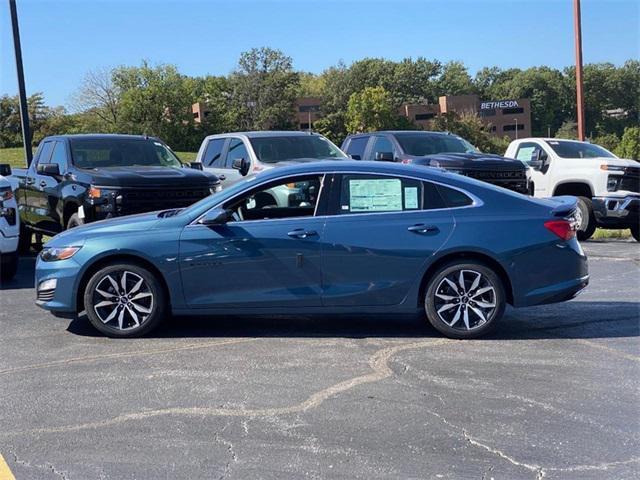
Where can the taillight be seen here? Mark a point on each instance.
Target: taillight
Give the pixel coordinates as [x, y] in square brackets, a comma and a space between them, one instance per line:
[562, 228]
[407, 160]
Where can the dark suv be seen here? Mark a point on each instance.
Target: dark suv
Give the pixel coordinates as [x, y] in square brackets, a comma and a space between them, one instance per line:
[439, 149]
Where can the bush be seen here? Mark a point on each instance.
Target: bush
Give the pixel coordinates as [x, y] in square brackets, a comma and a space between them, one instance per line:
[629, 144]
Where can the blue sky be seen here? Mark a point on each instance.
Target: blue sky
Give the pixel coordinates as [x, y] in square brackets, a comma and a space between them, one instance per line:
[62, 40]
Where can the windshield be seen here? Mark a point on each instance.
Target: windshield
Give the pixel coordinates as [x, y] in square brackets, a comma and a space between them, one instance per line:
[567, 149]
[278, 149]
[420, 144]
[121, 152]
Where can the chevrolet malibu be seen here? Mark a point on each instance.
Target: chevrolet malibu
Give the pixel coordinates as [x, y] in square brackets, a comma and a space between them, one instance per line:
[353, 237]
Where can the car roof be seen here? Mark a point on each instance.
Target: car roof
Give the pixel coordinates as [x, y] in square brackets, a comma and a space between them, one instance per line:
[265, 133]
[103, 136]
[412, 132]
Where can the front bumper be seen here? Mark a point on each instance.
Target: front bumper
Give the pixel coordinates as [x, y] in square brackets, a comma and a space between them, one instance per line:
[8, 244]
[612, 211]
[62, 297]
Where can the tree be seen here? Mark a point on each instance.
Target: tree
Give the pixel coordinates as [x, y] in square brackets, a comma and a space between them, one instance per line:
[370, 110]
[568, 130]
[99, 94]
[629, 144]
[610, 141]
[455, 80]
[265, 89]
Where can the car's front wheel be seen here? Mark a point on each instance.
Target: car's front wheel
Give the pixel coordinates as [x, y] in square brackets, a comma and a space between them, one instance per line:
[124, 300]
[464, 299]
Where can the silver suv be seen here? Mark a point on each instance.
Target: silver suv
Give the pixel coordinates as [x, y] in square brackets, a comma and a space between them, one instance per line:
[231, 156]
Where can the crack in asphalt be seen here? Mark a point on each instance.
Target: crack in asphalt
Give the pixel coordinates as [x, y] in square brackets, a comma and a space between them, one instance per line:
[138, 353]
[229, 446]
[378, 363]
[47, 466]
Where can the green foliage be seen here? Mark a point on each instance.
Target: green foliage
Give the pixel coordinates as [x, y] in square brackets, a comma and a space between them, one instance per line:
[370, 110]
[13, 156]
[610, 141]
[629, 144]
[455, 80]
[568, 130]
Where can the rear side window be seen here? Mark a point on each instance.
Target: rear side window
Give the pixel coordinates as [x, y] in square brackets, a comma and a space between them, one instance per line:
[213, 153]
[381, 193]
[454, 198]
[356, 147]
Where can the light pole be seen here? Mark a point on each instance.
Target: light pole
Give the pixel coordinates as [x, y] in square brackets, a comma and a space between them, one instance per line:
[24, 111]
[579, 91]
[516, 127]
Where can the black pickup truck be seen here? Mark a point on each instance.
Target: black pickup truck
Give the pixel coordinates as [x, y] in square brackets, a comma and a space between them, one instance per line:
[76, 179]
[439, 149]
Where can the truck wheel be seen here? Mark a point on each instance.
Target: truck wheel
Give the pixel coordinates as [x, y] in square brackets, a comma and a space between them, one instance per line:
[74, 221]
[24, 241]
[124, 300]
[8, 266]
[635, 232]
[587, 221]
[464, 299]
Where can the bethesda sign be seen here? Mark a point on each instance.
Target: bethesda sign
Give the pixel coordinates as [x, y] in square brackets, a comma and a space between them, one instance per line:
[499, 104]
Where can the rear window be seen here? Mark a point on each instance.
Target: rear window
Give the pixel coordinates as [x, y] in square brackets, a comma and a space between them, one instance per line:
[278, 149]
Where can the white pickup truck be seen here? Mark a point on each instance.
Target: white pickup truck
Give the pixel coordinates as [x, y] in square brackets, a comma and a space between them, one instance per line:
[9, 225]
[607, 187]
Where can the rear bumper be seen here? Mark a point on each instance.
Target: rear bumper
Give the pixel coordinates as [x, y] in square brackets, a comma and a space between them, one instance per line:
[614, 211]
[559, 292]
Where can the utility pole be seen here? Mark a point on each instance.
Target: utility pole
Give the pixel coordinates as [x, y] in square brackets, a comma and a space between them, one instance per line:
[24, 111]
[516, 128]
[579, 90]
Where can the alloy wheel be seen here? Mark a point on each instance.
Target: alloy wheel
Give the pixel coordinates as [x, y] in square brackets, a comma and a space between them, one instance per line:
[123, 300]
[465, 300]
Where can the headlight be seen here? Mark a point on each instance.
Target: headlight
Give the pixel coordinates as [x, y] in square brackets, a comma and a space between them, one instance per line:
[53, 254]
[611, 168]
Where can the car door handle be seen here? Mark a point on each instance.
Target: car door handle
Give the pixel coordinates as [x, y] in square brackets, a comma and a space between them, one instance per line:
[422, 228]
[30, 181]
[302, 233]
[43, 183]
[222, 178]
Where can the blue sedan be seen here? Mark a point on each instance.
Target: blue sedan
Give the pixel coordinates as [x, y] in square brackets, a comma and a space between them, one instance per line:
[326, 238]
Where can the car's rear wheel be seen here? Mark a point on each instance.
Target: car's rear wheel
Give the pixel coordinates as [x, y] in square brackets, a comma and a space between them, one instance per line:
[585, 219]
[24, 240]
[464, 299]
[8, 266]
[124, 300]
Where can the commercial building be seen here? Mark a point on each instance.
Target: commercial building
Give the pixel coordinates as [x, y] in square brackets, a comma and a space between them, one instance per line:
[307, 112]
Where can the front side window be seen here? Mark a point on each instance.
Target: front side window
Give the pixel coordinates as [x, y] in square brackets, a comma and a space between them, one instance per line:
[357, 146]
[213, 153]
[59, 157]
[288, 198]
[237, 150]
[291, 147]
[528, 152]
[44, 153]
[381, 193]
[381, 145]
[567, 149]
[121, 152]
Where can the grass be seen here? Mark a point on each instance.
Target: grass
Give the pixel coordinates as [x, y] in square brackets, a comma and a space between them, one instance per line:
[15, 156]
[601, 234]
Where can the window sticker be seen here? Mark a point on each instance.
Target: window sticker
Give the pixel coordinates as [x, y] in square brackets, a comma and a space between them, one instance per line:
[525, 154]
[411, 198]
[375, 195]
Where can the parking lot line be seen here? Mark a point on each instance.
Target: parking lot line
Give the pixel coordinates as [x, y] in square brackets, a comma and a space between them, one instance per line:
[5, 471]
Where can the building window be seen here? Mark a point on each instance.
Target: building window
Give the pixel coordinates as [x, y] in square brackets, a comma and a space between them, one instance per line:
[196, 115]
[487, 113]
[424, 116]
[493, 128]
[511, 128]
[309, 108]
[304, 126]
[512, 111]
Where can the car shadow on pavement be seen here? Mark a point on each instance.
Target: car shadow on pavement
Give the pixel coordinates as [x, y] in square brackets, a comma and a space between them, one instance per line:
[563, 320]
[24, 276]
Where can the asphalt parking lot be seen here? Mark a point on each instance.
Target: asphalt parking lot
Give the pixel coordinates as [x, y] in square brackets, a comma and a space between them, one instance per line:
[552, 394]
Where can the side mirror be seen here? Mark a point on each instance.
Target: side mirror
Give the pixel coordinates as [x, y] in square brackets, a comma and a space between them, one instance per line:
[216, 216]
[242, 165]
[5, 169]
[51, 169]
[196, 165]
[355, 157]
[385, 156]
[539, 160]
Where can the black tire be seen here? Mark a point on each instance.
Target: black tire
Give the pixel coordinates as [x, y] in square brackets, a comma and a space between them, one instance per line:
[8, 266]
[588, 224]
[148, 310]
[74, 221]
[439, 292]
[635, 232]
[24, 241]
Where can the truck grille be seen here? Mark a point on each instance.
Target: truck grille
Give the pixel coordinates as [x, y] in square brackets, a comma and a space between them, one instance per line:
[630, 180]
[142, 200]
[515, 180]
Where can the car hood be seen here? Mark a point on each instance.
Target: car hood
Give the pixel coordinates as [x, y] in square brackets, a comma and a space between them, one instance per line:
[131, 223]
[619, 162]
[472, 161]
[156, 176]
